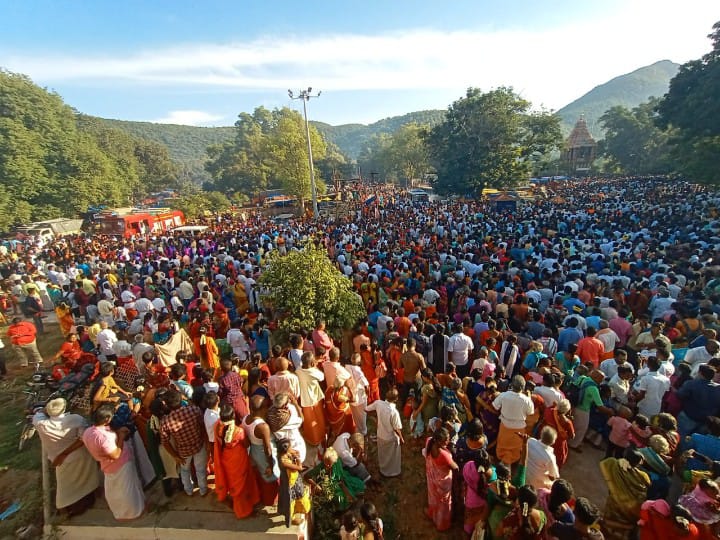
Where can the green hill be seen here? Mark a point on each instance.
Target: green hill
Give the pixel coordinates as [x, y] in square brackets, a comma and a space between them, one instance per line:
[187, 144]
[628, 90]
[351, 138]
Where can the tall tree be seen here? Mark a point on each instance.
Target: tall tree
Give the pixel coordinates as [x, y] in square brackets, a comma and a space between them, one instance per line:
[288, 159]
[241, 165]
[408, 153]
[692, 106]
[633, 141]
[374, 158]
[269, 151]
[487, 139]
[55, 162]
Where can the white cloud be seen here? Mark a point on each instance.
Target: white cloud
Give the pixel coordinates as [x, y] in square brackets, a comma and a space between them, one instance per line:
[189, 118]
[549, 66]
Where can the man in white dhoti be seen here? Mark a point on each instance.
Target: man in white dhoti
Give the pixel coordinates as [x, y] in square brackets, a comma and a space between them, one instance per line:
[123, 489]
[389, 434]
[77, 475]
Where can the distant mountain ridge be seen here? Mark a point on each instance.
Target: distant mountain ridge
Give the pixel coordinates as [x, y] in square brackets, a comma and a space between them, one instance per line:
[629, 90]
[187, 144]
[351, 138]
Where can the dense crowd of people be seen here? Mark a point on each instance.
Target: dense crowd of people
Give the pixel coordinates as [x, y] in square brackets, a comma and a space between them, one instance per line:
[497, 343]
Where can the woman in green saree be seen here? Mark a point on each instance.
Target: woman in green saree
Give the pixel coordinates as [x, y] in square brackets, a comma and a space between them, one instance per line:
[627, 486]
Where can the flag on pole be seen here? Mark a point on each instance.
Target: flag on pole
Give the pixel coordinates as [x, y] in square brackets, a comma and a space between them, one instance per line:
[370, 200]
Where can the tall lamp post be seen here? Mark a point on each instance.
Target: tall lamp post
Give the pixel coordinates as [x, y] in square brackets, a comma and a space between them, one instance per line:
[305, 95]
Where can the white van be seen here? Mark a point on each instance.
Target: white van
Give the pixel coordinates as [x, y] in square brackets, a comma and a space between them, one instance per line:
[42, 235]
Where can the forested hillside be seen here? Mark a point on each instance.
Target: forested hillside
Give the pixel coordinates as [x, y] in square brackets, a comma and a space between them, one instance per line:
[352, 138]
[187, 144]
[55, 162]
[629, 90]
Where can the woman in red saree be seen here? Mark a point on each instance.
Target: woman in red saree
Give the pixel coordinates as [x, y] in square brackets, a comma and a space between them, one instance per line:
[439, 467]
[233, 469]
[338, 411]
[557, 418]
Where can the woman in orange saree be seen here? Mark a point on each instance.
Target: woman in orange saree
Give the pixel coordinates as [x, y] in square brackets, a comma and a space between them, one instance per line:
[338, 412]
[233, 470]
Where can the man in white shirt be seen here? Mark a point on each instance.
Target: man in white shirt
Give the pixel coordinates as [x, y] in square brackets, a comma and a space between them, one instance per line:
[542, 469]
[212, 414]
[105, 311]
[651, 389]
[106, 339]
[128, 298]
[514, 407]
[459, 348]
[159, 305]
[296, 351]
[389, 434]
[610, 366]
[351, 451]
[143, 306]
[702, 355]
[609, 338]
[236, 340]
[186, 292]
[620, 386]
[549, 391]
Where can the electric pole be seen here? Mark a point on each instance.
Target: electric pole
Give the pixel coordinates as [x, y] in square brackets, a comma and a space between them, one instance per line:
[305, 95]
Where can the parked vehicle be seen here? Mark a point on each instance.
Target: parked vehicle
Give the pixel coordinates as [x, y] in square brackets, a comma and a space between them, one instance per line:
[42, 388]
[137, 222]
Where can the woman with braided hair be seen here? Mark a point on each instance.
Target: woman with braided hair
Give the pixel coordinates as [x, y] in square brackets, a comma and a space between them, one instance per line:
[477, 474]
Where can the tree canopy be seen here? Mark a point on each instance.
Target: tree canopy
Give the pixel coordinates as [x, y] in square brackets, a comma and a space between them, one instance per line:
[487, 139]
[304, 287]
[692, 106]
[402, 155]
[269, 152]
[55, 162]
[633, 141]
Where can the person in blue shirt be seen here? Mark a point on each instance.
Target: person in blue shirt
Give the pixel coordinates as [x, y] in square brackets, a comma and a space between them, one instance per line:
[707, 445]
[571, 303]
[594, 319]
[700, 398]
[569, 335]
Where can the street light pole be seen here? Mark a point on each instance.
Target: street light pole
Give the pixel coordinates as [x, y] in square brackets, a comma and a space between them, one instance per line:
[305, 96]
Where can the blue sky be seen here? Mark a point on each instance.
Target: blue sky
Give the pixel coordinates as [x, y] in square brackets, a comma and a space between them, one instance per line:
[202, 62]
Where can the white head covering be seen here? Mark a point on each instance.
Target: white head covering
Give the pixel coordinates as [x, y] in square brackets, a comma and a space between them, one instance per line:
[55, 407]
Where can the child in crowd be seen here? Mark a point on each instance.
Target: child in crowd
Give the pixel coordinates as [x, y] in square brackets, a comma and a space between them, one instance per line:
[349, 530]
[618, 439]
[299, 493]
[640, 431]
[417, 425]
